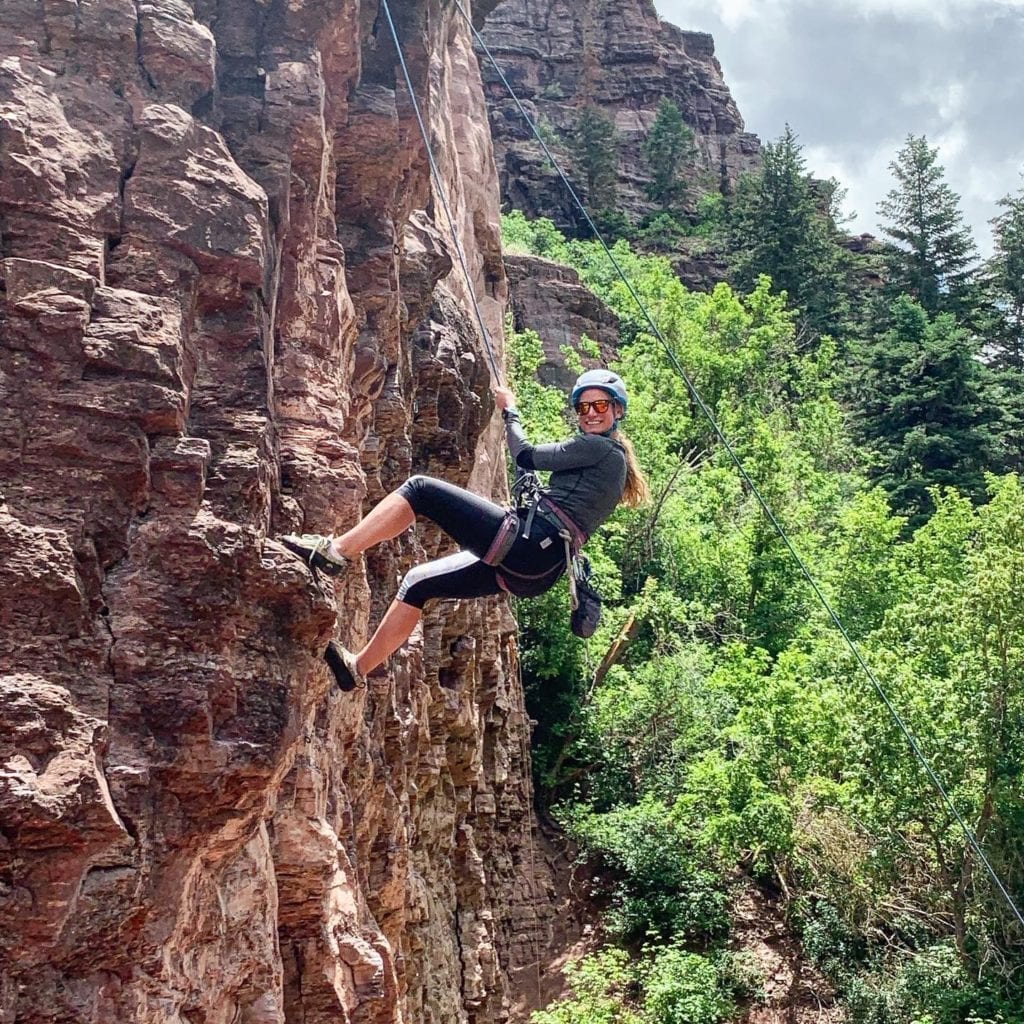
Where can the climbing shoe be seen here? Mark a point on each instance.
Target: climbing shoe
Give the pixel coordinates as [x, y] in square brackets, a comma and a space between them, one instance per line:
[343, 664]
[315, 550]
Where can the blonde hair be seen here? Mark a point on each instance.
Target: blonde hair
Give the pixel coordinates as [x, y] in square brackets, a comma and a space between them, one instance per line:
[637, 491]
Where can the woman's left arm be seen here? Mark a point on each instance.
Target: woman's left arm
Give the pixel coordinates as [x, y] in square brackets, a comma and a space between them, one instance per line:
[575, 453]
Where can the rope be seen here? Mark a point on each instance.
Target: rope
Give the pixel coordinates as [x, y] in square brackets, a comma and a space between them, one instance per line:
[439, 185]
[709, 415]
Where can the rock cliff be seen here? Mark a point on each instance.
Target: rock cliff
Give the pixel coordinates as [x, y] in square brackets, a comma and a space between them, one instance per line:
[619, 57]
[550, 299]
[226, 312]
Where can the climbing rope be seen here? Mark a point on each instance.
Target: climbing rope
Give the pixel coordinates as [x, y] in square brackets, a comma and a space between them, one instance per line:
[705, 410]
[441, 195]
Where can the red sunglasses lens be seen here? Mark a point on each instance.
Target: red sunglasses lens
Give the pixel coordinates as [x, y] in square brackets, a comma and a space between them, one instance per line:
[600, 406]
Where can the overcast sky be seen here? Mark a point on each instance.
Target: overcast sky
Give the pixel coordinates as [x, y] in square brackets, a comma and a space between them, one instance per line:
[854, 77]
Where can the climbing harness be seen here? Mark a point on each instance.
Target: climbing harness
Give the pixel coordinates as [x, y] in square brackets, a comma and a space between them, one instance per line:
[529, 498]
[698, 400]
[584, 601]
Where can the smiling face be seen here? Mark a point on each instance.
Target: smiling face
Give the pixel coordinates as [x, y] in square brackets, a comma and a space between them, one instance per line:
[592, 421]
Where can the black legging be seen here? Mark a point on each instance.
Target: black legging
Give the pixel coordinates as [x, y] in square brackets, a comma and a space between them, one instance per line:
[473, 522]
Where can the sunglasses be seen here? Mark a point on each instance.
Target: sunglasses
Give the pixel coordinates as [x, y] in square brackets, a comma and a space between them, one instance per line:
[602, 405]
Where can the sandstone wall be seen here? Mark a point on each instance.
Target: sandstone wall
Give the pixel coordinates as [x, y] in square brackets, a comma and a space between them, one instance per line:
[550, 299]
[224, 314]
[619, 57]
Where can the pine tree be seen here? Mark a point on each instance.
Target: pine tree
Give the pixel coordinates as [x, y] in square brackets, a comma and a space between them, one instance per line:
[775, 226]
[594, 145]
[927, 409]
[1005, 337]
[1006, 277]
[935, 253]
[666, 149]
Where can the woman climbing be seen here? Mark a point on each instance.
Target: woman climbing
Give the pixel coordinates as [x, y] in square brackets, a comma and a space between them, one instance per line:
[523, 553]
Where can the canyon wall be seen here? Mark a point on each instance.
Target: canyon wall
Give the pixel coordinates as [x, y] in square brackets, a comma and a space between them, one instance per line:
[227, 312]
[550, 299]
[619, 58]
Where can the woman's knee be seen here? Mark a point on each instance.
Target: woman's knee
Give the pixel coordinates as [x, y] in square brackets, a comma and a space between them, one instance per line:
[414, 488]
[413, 591]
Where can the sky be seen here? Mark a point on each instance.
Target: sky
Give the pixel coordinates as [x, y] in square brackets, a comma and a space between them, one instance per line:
[854, 77]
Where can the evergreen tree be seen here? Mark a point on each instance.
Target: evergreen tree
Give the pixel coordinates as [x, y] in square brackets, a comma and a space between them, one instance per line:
[594, 145]
[775, 226]
[935, 252]
[1005, 347]
[666, 149]
[1006, 275]
[926, 410]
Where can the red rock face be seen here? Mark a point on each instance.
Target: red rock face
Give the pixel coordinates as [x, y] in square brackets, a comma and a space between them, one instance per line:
[619, 57]
[225, 315]
[550, 299]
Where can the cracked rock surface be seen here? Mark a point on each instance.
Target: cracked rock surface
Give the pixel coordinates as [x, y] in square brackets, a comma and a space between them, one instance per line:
[227, 312]
[619, 58]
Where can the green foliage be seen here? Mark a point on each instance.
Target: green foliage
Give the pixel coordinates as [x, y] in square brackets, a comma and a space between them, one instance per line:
[732, 734]
[661, 232]
[935, 252]
[711, 214]
[926, 409]
[601, 984]
[670, 985]
[537, 237]
[681, 987]
[930, 987]
[950, 649]
[660, 889]
[775, 227]
[667, 148]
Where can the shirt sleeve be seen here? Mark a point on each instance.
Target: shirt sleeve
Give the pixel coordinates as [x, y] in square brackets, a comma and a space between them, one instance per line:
[575, 453]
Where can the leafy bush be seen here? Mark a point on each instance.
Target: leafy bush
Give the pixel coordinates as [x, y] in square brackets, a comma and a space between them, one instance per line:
[660, 890]
[710, 215]
[661, 232]
[537, 237]
[601, 985]
[928, 987]
[681, 987]
[668, 985]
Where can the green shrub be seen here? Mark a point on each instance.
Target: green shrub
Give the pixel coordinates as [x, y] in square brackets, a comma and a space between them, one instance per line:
[661, 889]
[601, 985]
[929, 986]
[661, 232]
[684, 988]
[537, 237]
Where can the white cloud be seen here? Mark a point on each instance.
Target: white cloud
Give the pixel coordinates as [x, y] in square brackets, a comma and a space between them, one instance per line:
[734, 12]
[855, 77]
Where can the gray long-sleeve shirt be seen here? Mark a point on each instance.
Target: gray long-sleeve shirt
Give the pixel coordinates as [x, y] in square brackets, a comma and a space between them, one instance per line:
[588, 471]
